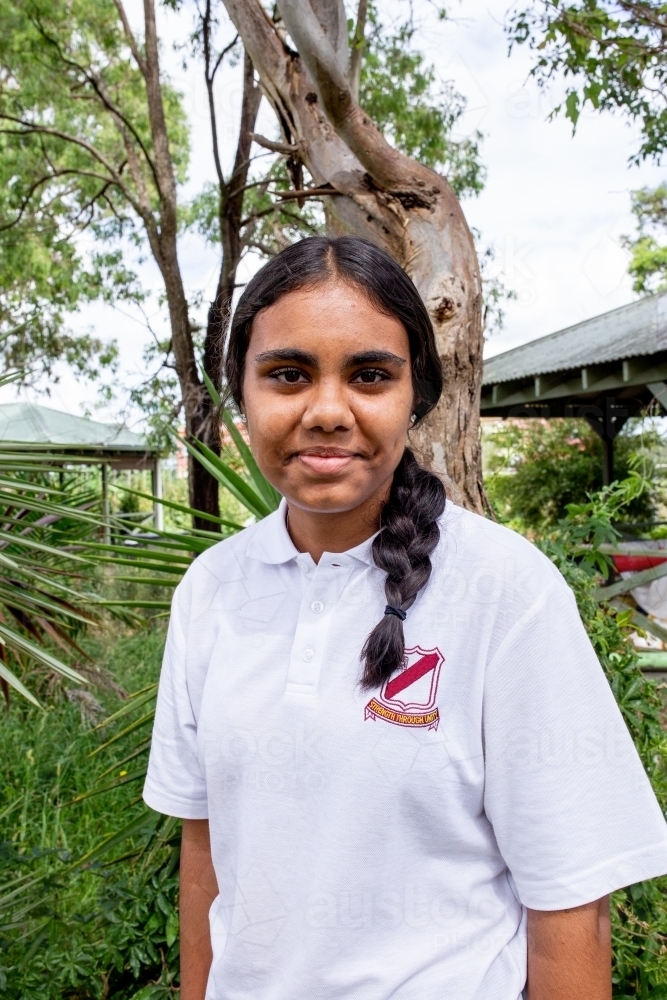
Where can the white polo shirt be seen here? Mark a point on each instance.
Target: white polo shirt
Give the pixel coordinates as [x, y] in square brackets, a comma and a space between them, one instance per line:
[377, 844]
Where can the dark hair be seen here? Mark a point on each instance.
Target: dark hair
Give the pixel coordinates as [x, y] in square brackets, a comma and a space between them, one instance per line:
[408, 524]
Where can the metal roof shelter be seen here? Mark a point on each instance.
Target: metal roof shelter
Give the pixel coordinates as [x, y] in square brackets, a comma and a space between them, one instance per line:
[603, 370]
[109, 445]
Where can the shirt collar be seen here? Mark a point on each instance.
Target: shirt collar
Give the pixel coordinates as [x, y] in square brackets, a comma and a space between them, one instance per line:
[271, 542]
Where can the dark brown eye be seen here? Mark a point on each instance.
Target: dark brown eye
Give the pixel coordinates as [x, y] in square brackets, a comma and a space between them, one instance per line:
[288, 375]
[371, 376]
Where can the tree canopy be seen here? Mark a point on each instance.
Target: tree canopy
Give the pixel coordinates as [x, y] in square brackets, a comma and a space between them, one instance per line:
[648, 262]
[612, 55]
[75, 174]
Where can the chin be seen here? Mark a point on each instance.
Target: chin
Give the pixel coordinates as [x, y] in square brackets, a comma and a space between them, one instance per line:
[326, 499]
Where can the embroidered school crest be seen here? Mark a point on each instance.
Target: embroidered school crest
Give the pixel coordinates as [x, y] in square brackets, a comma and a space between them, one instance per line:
[408, 697]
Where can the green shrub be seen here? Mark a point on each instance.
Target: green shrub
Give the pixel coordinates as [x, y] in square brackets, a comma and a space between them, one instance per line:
[639, 912]
[536, 468]
[102, 930]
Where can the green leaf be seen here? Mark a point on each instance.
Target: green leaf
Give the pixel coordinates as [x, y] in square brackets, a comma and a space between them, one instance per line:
[15, 639]
[226, 476]
[181, 507]
[261, 484]
[147, 820]
[14, 682]
[172, 928]
[572, 107]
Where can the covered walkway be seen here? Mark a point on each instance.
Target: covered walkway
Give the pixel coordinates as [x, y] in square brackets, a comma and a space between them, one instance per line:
[29, 427]
[603, 370]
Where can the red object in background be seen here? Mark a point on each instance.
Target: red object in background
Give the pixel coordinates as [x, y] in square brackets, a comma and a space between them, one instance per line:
[634, 564]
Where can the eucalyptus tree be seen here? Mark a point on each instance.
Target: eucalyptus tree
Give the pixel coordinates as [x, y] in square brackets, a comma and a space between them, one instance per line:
[310, 75]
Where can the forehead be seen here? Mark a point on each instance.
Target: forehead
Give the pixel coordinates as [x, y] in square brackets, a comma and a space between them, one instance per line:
[332, 318]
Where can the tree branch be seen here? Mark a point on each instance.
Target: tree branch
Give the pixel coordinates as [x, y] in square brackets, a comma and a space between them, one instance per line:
[223, 53]
[316, 192]
[29, 128]
[333, 21]
[261, 40]
[287, 196]
[131, 40]
[358, 46]
[98, 85]
[164, 166]
[385, 164]
[276, 147]
[209, 76]
[26, 201]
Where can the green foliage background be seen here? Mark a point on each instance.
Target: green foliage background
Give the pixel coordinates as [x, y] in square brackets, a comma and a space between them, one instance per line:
[104, 930]
[639, 912]
[535, 468]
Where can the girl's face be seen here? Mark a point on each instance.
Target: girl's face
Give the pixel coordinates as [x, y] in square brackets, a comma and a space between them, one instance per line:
[328, 396]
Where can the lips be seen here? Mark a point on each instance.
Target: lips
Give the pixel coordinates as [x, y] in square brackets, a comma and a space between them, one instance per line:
[326, 461]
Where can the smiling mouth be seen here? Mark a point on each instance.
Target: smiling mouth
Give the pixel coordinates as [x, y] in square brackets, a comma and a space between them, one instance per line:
[326, 461]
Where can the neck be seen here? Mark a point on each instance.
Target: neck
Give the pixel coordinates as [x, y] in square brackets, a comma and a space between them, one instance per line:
[316, 532]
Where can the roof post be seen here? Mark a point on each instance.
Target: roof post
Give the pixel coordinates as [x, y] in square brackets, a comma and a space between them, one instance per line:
[156, 488]
[106, 513]
[659, 390]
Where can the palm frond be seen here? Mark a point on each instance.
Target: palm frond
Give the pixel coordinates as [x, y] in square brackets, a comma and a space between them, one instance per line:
[45, 525]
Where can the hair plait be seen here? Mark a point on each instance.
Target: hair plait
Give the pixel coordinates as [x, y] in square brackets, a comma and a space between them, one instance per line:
[408, 534]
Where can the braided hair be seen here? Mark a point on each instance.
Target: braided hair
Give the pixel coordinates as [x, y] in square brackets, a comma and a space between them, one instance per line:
[409, 519]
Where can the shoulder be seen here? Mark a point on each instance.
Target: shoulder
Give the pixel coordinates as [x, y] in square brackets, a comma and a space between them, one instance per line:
[491, 558]
[224, 564]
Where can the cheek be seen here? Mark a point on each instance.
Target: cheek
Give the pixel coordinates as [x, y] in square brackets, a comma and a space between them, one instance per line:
[385, 418]
[269, 420]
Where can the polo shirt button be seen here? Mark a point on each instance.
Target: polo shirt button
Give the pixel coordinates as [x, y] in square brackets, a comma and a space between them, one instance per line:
[316, 607]
[308, 654]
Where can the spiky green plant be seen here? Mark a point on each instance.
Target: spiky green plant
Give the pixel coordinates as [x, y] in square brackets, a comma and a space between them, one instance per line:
[47, 517]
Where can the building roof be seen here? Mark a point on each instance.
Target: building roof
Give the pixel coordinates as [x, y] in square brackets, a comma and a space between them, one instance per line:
[639, 328]
[28, 423]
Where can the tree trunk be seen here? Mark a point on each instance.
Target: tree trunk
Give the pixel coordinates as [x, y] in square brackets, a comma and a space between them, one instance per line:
[387, 197]
[200, 418]
[230, 216]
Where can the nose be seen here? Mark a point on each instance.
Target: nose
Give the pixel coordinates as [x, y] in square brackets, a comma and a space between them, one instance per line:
[328, 408]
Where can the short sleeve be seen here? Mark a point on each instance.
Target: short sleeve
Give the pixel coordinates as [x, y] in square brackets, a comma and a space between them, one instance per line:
[572, 809]
[175, 783]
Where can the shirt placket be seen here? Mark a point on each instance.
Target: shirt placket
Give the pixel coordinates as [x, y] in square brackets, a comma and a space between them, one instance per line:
[322, 586]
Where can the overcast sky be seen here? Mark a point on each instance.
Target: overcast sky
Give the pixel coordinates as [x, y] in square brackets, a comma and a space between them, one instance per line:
[554, 206]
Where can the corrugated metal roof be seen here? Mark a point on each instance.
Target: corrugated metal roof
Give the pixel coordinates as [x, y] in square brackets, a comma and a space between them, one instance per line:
[32, 424]
[636, 329]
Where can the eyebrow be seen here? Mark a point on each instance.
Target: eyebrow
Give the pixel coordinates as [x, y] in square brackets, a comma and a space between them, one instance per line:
[372, 358]
[293, 354]
[297, 356]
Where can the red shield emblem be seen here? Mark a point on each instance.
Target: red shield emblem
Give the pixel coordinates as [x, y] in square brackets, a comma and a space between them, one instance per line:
[408, 697]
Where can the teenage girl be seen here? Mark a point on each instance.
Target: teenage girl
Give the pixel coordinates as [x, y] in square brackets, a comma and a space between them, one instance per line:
[400, 769]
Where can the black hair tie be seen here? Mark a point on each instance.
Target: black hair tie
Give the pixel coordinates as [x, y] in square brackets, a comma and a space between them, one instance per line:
[391, 610]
